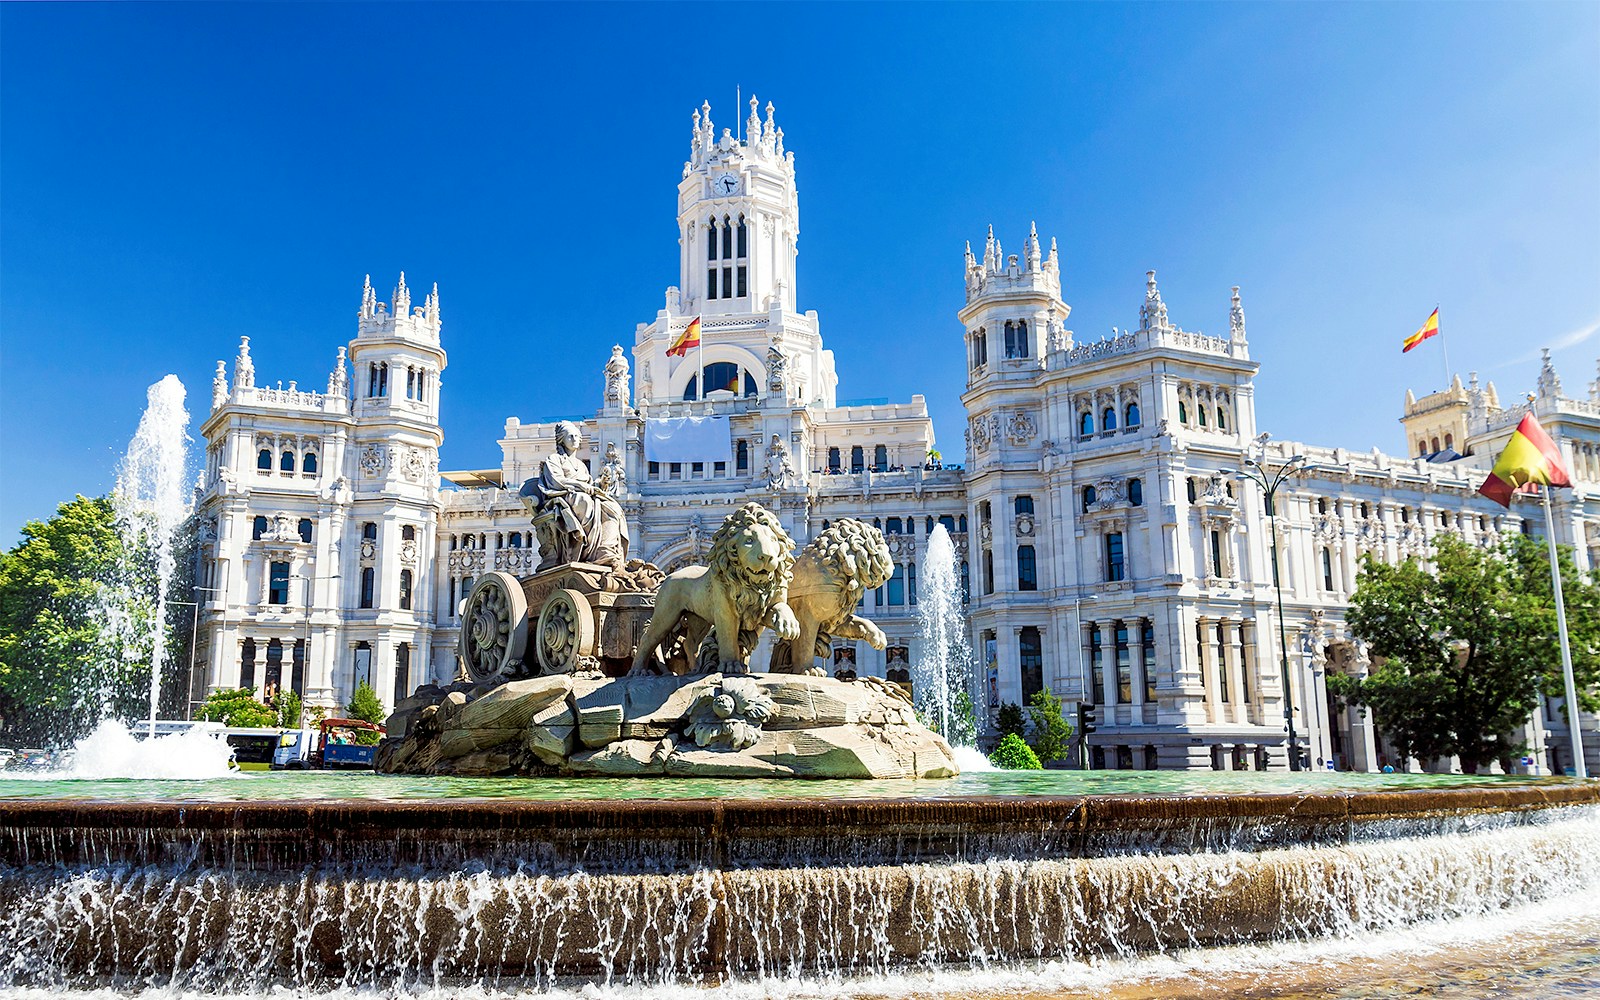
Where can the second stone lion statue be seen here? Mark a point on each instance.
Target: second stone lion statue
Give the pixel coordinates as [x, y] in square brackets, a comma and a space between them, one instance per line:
[830, 575]
[743, 590]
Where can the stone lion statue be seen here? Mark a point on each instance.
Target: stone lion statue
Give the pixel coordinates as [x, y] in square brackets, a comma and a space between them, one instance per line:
[829, 578]
[742, 591]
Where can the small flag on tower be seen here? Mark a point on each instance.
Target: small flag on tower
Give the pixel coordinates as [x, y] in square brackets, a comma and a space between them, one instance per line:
[1530, 457]
[1429, 329]
[690, 337]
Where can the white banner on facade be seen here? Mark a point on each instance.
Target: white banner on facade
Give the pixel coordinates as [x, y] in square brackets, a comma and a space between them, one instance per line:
[687, 439]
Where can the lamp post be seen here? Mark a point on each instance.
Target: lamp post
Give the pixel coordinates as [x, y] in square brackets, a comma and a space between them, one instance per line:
[1083, 675]
[1269, 480]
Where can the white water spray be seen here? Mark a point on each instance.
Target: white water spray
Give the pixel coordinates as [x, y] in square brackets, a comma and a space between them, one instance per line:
[150, 503]
[943, 672]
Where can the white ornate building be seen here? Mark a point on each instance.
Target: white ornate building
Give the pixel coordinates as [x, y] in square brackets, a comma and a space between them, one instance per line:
[1110, 549]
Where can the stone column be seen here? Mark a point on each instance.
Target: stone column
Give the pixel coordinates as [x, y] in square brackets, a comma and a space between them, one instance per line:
[1140, 667]
[1204, 635]
[1108, 659]
[1237, 711]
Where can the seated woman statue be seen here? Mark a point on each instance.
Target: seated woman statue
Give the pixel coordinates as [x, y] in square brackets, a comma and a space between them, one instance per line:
[574, 519]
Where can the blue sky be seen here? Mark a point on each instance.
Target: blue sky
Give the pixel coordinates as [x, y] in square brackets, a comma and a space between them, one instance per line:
[175, 176]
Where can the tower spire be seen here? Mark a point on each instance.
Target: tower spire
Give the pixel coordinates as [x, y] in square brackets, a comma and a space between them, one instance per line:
[1031, 247]
[369, 299]
[1153, 315]
[402, 298]
[244, 370]
[1236, 318]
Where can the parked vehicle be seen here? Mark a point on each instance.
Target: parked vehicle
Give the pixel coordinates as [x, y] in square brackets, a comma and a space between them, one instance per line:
[333, 744]
[253, 749]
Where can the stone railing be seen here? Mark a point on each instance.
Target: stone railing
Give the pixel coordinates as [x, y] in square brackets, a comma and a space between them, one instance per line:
[290, 399]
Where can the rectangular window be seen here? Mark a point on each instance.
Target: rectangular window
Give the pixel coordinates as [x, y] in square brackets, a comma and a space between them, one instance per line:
[741, 285]
[674, 470]
[1124, 666]
[719, 468]
[278, 586]
[1222, 662]
[1244, 668]
[1031, 650]
[368, 579]
[1147, 639]
[697, 470]
[897, 586]
[727, 241]
[1216, 554]
[1327, 569]
[1115, 568]
[1097, 667]
[1027, 569]
[711, 282]
[744, 243]
[727, 282]
[655, 470]
[988, 571]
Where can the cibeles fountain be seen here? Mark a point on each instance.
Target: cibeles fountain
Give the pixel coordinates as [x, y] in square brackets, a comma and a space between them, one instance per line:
[598, 664]
[589, 804]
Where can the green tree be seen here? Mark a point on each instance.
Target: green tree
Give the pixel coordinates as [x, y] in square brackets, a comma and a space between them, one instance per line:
[71, 650]
[1467, 645]
[289, 708]
[364, 705]
[1051, 732]
[238, 708]
[1010, 720]
[1014, 755]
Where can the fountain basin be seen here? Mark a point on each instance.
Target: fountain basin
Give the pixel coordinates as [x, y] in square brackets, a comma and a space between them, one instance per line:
[248, 895]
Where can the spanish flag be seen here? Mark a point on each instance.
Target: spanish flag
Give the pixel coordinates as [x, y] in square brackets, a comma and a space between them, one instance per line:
[1530, 457]
[1429, 329]
[690, 337]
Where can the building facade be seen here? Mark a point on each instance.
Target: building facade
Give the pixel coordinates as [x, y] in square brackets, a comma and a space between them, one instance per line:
[1108, 546]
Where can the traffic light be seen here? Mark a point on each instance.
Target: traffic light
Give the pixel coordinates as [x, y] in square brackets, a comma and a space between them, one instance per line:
[1086, 719]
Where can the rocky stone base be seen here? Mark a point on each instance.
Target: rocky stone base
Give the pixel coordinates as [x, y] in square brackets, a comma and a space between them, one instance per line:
[756, 726]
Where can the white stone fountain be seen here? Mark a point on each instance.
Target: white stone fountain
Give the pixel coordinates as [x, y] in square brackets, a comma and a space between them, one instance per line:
[942, 674]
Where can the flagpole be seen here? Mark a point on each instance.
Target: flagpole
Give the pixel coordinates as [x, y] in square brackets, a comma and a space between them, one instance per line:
[1443, 347]
[1578, 766]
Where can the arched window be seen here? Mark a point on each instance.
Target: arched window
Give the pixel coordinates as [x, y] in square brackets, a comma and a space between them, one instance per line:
[1422, 449]
[264, 460]
[1027, 569]
[1435, 444]
[1222, 419]
[1183, 413]
[408, 533]
[1108, 419]
[719, 375]
[741, 459]
[383, 378]
[1022, 338]
[258, 528]
[1189, 490]
[892, 527]
[1322, 505]
[834, 463]
[1089, 497]
[1136, 492]
[369, 531]
[1130, 415]
[1023, 505]
[963, 522]
[880, 458]
[980, 348]
[948, 522]
[727, 240]
[1449, 442]
[743, 248]
[247, 665]
[1085, 424]
[711, 242]
[309, 463]
[368, 581]
[286, 461]
[372, 379]
[411, 382]
[305, 529]
[405, 590]
[1200, 415]
[858, 461]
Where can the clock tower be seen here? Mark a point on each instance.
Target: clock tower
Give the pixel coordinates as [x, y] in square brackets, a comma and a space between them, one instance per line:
[738, 218]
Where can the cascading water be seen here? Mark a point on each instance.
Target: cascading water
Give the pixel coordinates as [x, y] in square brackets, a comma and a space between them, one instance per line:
[942, 674]
[150, 504]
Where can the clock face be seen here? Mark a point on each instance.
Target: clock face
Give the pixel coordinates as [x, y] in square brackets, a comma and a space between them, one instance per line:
[726, 184]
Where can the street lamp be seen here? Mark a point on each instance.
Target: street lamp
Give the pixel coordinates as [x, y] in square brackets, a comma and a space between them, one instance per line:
[1083, 676]
[1269, 480]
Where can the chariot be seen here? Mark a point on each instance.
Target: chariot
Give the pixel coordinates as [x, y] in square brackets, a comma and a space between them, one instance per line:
[572, 618]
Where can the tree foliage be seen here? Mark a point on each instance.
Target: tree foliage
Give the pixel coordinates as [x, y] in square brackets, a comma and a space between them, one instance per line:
[72, 651]
[364, 705]
[1013, 754]
[1051, 733]
[1468, 644]
[1010, 720]
[289, 708]
[237, 707]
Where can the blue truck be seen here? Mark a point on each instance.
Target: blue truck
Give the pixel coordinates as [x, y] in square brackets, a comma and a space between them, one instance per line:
[333, 744]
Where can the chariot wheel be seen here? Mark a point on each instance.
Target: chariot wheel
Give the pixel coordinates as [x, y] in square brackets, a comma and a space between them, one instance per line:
[565, 634]
[494, 627]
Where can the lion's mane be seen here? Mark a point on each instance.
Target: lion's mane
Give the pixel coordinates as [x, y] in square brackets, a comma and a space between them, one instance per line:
[850, 550]
[752, 596]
